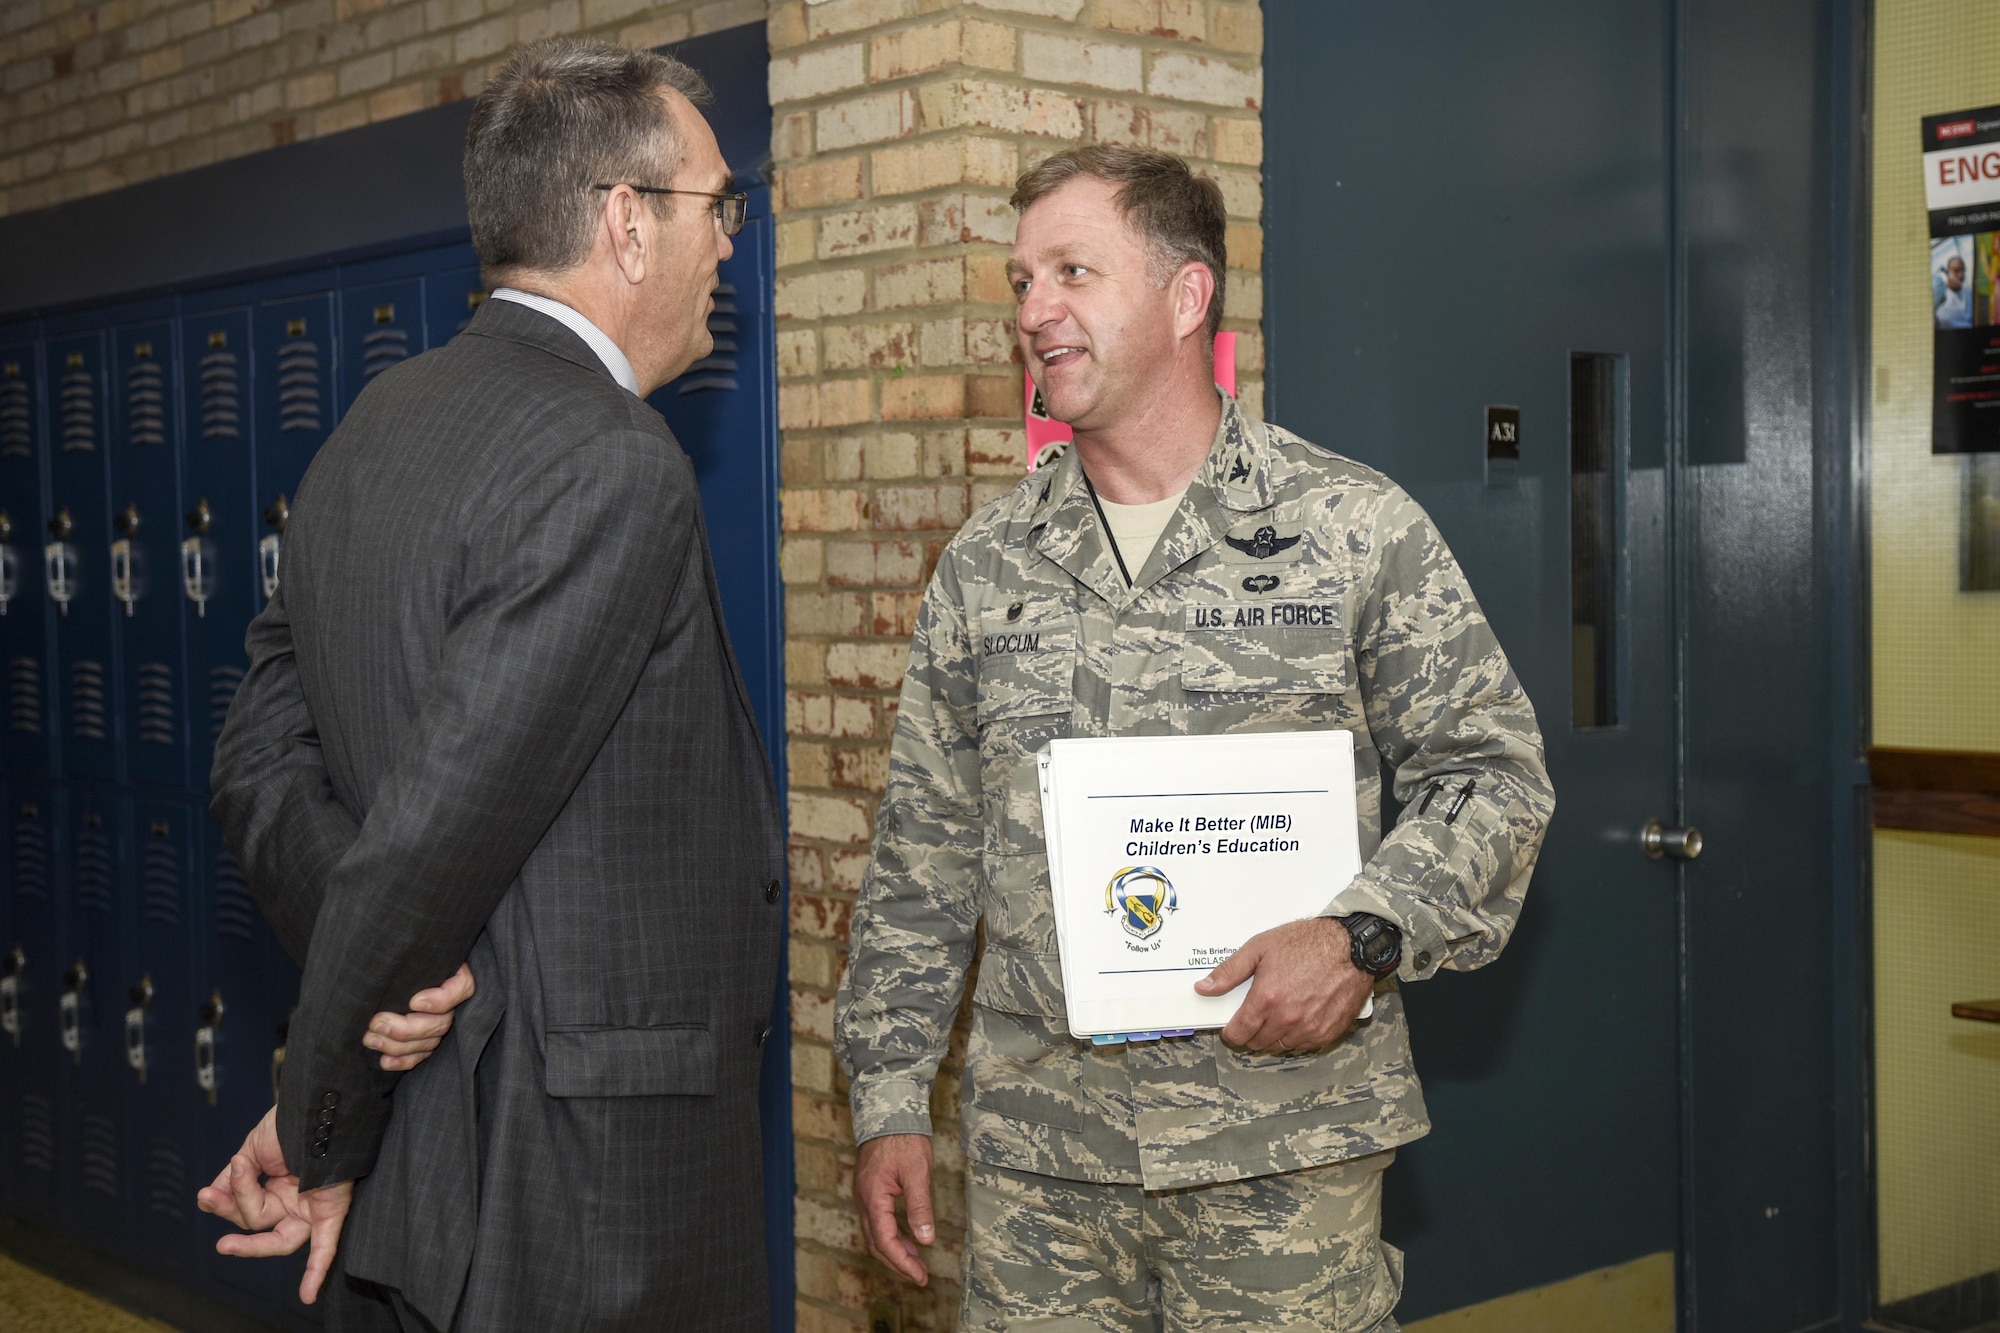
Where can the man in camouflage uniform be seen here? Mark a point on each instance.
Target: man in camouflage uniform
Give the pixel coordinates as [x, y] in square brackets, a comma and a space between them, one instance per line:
[1225, 1180]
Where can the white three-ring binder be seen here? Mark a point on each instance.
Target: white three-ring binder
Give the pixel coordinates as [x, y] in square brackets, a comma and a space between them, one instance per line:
[1166, 853]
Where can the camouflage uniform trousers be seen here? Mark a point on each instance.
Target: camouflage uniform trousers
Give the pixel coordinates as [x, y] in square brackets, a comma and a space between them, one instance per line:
[1297, 1250]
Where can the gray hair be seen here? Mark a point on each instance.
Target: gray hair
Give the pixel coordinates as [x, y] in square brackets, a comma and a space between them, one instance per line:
[562, 116]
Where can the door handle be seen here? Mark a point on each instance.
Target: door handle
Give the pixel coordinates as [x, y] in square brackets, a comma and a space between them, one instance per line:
[197, 579]
[10, 995]
[1660, 842]
[70, 1009]
[210, 1014]
[135, 1026]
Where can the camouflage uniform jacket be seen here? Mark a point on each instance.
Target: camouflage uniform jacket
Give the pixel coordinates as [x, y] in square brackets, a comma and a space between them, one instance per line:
[1292, 589]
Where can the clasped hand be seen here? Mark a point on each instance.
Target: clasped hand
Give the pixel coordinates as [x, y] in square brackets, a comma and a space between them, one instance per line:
[258, 1192]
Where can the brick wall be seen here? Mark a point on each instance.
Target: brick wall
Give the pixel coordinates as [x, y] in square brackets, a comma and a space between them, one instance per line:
[899, 128]
[95, 96]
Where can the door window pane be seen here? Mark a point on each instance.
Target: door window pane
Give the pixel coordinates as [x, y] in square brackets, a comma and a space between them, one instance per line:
[1596, 535]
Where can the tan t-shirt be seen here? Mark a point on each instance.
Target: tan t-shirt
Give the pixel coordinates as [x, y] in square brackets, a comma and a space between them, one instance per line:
[1137, 528]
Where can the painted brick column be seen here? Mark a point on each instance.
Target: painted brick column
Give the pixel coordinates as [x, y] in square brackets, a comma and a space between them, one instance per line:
[900, 126]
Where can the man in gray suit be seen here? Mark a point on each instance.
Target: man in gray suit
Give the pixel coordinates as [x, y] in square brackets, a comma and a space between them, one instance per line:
[492, 716]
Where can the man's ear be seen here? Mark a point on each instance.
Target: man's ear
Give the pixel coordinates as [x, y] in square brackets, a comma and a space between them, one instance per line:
[624, 232]
[1194, 291]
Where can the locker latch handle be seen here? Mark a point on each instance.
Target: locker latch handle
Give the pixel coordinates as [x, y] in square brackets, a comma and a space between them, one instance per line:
[71, 1010]
[135, 1025]
[127, 524]
[272, 546]
[197, 579]
[10, 564]
[10, 994]
[59, 561]
[210, 1014]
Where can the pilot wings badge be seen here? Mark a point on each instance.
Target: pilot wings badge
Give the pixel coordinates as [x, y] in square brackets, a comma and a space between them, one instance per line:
[1140, 897]
[1263, 543]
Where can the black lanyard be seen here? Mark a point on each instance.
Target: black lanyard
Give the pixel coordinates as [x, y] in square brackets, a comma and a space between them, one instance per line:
[1098, 505]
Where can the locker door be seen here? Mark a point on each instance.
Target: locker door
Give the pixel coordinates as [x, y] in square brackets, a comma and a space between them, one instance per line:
[158, 1031]
[723, 411]
[295, 392]
[451, 293]
[31, 969]
[89, 1017]
[215, 539]
[27, 742]
[145, 553]
[241, 1004]
[381, 325]
[75, 559]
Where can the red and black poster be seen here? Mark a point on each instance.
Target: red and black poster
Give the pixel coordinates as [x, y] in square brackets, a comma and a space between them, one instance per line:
[1962, 192]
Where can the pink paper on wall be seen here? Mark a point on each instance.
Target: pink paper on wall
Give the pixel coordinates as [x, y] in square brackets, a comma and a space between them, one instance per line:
[1044, 431]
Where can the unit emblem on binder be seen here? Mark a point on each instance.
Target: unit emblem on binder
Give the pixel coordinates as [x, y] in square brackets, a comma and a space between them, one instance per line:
[1140, 897]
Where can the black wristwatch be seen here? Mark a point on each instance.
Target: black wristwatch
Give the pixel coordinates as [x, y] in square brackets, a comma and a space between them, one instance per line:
[1377, 946]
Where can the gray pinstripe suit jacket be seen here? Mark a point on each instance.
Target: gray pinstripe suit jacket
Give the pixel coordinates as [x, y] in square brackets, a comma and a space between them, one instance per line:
[493, 714]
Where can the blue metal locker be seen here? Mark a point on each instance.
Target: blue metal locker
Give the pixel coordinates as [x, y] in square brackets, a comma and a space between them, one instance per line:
[295, 395]
[27, 743]
[381, 325]
[162, 1094]
[89, 1017]
[241, 1007]
[31, 970]
[452, 291]
[145, 551]
[75, 560]
[217, 537]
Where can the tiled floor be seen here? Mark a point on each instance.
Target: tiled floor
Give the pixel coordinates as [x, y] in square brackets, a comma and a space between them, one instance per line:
[31, 1302]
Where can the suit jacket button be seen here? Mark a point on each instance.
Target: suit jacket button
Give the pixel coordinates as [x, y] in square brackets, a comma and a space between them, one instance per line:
[319, 1150]
[326, 1116]
[772, 890]
[331, 1100]
[763, 1034]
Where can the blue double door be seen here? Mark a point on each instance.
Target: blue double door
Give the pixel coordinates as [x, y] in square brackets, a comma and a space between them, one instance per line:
[148, 456]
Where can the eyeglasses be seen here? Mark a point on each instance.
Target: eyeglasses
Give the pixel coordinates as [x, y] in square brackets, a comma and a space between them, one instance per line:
[731, 210]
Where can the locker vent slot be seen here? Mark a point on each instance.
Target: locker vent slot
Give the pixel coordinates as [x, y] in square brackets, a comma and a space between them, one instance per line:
[38, 1133]
[156, 703]
[86, 700]
[298, 385]
[100, 1155]
[222, 683]
[17, 419]
[31, 857]
[78, 412]
[717, 370]
[166, 1180]
[160, 882]
[221, 397]
[93, 869]
[235, 909]
[381, 349]
[24, 695]
[146, 403]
